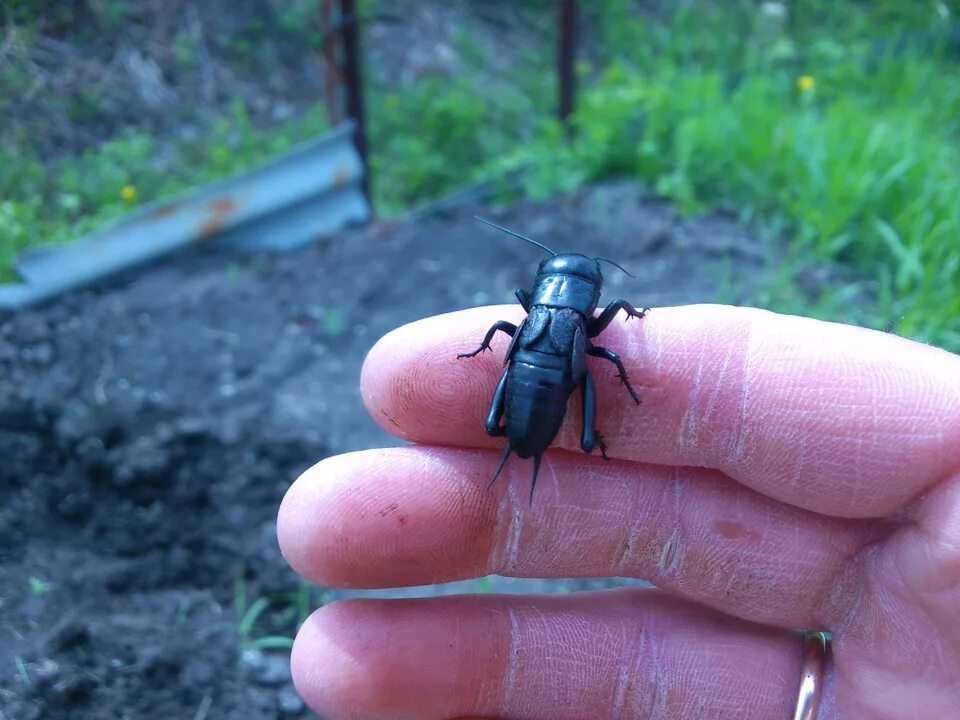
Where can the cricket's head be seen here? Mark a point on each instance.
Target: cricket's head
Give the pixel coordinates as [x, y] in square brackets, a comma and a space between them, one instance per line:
[573, 264]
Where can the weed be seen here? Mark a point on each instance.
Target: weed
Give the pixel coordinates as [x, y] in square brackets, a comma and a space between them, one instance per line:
[333, 322]
[38, 587]
[22, 670]
[263, 624]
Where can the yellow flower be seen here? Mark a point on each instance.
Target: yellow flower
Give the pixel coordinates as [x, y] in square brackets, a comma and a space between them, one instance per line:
[805, 83]
[128, 193]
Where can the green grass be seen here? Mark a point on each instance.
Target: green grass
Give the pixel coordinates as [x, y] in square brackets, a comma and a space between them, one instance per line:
[270, 621]
[872, 184]
[440, 134]
[41, 203]
[861, 166]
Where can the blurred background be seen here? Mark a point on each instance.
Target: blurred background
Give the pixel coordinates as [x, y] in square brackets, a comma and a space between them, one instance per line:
[209, 211]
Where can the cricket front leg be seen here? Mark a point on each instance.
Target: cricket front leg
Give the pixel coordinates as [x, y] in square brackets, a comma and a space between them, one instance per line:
[600, 323]
[501, 325]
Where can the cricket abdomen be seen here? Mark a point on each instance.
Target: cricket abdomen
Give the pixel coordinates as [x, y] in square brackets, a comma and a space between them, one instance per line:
[536, 402]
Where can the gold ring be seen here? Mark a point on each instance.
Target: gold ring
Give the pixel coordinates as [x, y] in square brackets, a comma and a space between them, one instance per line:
[811, 677]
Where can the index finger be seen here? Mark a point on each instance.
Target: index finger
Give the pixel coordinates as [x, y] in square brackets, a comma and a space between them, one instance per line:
[831, 418]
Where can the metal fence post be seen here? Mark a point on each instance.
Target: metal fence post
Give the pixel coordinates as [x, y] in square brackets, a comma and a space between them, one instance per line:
[343, 75]
[566, 57]
[353, 75]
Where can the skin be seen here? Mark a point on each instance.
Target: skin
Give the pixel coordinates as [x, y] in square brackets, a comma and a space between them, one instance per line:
[781, 474]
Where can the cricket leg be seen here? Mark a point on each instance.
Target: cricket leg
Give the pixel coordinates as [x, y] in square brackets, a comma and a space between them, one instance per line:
[492, 424]
[503, 326]
[600, 323]
[602, 352]
[590, 438]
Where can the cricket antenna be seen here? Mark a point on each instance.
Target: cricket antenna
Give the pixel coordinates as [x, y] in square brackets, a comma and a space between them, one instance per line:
[616, 265]
[522, 237]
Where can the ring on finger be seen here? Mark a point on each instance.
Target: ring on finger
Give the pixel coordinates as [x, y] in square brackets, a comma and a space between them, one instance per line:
[811, 676]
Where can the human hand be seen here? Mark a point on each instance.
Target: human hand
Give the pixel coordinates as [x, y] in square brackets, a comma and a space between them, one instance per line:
[781, 473]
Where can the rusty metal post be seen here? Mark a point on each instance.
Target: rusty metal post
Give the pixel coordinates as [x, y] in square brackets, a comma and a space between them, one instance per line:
[353, 76]
[566, 58]
[330, 62]
[343, 75]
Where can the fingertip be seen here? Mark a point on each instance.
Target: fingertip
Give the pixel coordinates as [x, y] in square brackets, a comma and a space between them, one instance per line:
[296, 523]
[319, 510]
[304, 668]
[387, 658]
[325, 674]
[376, 380]
[373, 518]
[412, 380]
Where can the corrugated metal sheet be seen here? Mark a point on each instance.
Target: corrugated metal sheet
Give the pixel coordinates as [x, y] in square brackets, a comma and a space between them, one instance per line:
[310, 191]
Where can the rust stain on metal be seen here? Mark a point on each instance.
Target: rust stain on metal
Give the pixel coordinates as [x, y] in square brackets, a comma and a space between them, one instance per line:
[341, 175]
[223, 205]
[165, 210]
[218, 213]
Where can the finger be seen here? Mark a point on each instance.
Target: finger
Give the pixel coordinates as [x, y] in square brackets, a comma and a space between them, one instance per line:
[616, 654]
[832, 418]
[421, 515]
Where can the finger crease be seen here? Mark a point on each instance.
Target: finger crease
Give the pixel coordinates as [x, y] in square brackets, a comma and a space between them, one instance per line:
[509, 526]
[627, 555]
[510, 674]
[838, 600]
[671, 554]
[630, 669]
[744, 395]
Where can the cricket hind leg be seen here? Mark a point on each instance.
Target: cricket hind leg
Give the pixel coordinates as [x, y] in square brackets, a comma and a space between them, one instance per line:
[492, 424]
[602, 352]
[494, 415]
[502, 325]
[590, 438]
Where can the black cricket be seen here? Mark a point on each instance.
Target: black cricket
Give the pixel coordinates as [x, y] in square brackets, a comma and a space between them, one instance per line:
[547, 357]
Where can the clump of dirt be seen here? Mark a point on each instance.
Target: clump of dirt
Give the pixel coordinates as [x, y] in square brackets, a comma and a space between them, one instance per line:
[150, 428]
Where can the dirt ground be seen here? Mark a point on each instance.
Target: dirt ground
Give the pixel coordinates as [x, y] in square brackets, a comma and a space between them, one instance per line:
[149, 429]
